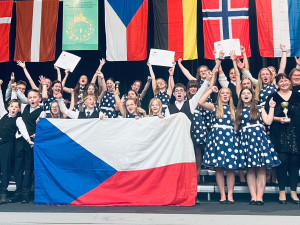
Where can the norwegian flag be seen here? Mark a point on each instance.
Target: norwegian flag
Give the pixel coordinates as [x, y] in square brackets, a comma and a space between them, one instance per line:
[225, 19]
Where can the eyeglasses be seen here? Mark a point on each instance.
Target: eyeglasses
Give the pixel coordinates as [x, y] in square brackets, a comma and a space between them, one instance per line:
[179, 90]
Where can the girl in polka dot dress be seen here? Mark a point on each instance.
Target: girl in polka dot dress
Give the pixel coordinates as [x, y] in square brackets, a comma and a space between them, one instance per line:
[161, 89]
[222, 149]
[108, 101]
[258, 150]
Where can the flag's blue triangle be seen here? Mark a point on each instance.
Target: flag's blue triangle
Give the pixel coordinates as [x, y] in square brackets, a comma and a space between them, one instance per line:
[125, 9]
[64, 170]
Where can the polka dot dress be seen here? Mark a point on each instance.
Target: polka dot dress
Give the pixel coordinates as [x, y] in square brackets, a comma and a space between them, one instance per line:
[108, 104]
[222, 148]
[265, 92]
[199, 129]
[255, 143]
[47, 104]
[165, 100]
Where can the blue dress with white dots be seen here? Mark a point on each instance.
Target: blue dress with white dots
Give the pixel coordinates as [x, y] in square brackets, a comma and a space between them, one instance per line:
[222, 148]
[265, 92]
[255, 143]
[108, 104]
[199, 129]
[165, 100]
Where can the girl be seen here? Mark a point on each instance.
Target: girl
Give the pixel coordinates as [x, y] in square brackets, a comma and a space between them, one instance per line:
[108, 101]
[54, 111]
[136, 86]
[155, 108]
[257, 147]
[161, 90]
[222, 150]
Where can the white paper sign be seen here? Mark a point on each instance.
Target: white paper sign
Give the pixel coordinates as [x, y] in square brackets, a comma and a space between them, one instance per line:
[67, 60]
[160, 57]
[227, 46]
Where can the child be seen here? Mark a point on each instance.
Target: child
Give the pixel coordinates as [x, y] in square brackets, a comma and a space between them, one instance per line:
[155, 108]
[23, 150]
[257, 147]
[136, 87]
[9, 124]
[222, 150]
[108, 101]
[54, 111]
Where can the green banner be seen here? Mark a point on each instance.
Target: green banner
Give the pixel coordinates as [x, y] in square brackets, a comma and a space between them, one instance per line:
[80, 25]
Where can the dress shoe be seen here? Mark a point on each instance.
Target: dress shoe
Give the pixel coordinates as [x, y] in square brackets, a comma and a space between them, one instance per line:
[252, 202]
[282, 202]
[223, 202]
[25, 199]
[15, 198]
[230, 202]
[297, 202]
[260, 203]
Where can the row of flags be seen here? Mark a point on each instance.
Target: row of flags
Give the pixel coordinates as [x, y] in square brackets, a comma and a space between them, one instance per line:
[175, 27]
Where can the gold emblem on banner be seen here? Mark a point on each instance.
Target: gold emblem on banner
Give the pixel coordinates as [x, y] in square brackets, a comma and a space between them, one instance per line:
[80, 29]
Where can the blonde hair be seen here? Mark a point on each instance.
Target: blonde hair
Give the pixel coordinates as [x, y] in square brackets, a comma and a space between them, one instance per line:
[157, 89]
[220, 110]
[151, 103]
[260, 84]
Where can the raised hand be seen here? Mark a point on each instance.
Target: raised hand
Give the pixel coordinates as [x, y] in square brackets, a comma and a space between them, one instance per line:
[283, 47]
[232, 55]
[179, 60]
[55, 67]
[12, 77]
[67, 71]
[14, 86]
[171, 71]
[148, 64]
[240, 64]
[272, 103]
[149, 78]
[21, 64]
[42, 80]
[243, 50]
[102, 62]
[100, 74]
[215, 89]
[297, 60]
[209, 75]
[221, 54]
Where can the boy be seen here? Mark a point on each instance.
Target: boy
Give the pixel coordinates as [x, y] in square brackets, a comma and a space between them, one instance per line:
[9, 124]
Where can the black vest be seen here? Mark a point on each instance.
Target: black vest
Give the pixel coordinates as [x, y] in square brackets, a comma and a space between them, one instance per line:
[235, 98]
[184, 109]
[30, 118]
[8, 128]
[82, 115]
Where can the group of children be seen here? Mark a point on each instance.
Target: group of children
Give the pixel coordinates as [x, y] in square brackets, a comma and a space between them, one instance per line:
[228, 126]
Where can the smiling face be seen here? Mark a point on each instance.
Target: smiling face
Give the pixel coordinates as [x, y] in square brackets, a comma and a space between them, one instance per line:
[109, 85]
[56, 88]
[90, 102]
[83, 80]
[179, 94]
[21, 87]
[232, 75]
[266, 76]
[55, 109]
[34, 99]
[161, 84]
[131, 106]
[14, 108]
[203, 70]
[246, 83]
[91, 90]
[284, 84]
[246, 96]
[193, 90]
[136, 86]
[295, 78]
[224, 95]
[132, 95]
[155, 107]
[48, 82]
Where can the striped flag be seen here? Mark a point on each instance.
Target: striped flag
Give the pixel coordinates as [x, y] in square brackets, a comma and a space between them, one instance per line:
[175, 27]
[225, 19]
[126, 30]
[5, 20]
[36, 30]
[278, 21]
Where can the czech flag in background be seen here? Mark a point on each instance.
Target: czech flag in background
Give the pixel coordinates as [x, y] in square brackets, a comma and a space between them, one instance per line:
[175, 27]
[116, 162]
[278, 22]
[126, 23]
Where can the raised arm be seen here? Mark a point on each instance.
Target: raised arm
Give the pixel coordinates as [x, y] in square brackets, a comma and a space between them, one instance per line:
[45, 96]
[63, 83]
[58, 73]
[152, 77]
[63, 108]
[246, 73]
[22, 97]
[2, 107]
[147, 85]
[283, 59]
[268, 118]
[297, 62]
[23, 65]
[171, 83]
[202, 101]
[103, 85]
[8, 89]
[185, 71]
[237, 72]
[245, 58]
[122, 107]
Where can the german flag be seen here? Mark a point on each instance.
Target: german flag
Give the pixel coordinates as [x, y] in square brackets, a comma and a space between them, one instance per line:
[175, 27]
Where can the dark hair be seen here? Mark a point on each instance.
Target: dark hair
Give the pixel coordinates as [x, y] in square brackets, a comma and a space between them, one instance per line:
[53, 83]
[239, 110]
[139, 81]
[15, 100]
[138, 102]
[21, 82]
[281, 76]
[35, 91]
[179, 85]
[191, 83]
[110, 78]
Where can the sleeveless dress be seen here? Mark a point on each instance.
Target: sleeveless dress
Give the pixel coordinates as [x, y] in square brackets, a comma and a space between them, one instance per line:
[165, 100]
[222, 148]
[107, 105]
[255, 143]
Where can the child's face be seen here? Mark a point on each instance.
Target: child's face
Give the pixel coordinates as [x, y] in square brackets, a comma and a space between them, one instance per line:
[33, 99]
[91, 90]
[274, 74]
[131, 106]
[161, 83]
[246, 96]
[232, 75]
[225, 95]
[155, 107]
[21, 87]
[109, 85]
[136, 86]
[49, 83]
[14, 108]
[193, 90]
[55, 108]
[132, 95]
[83, 80]
[179, 94]
[266, 76]
[90, 103]
[56, 88]
[203, 72]
[246, 83]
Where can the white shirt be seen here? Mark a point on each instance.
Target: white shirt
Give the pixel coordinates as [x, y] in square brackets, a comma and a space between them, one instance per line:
[224, 82]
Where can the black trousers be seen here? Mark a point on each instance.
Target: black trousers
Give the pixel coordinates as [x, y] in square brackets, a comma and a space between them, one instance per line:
[23, 166]
[288, 171]
[6, 150]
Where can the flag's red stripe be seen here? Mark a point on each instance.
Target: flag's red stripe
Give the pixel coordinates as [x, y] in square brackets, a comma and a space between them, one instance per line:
[240, 30]
[176, 32]
[137, 34]
[265, 27]
[211, 33]
[169, 185]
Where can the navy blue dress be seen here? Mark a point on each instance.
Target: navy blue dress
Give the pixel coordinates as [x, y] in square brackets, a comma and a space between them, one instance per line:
[108, 104]
[165, 100]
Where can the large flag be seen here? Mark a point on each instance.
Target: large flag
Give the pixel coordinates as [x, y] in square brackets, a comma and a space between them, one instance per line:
[278, 22]
[36, 30]
[149, 161]
[175, 27]
[5, 19]
[225, 19]
[126, 25]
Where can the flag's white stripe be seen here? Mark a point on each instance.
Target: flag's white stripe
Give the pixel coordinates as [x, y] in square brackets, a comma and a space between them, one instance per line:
[230, 23]
[36, 30]
[116, 35]
[129, 144]
[5, 20]
[281, 28]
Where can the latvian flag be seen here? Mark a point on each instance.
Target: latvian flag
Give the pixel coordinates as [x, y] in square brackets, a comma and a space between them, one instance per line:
[115, 162]
[5, 19]
[278, 22]
[36, 30]
[175, 27]
[225, 19]
[126, 23]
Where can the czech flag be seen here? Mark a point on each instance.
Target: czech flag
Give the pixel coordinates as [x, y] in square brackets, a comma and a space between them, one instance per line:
[278, 22]
[175, 27]
[115, 162]
[126, 25]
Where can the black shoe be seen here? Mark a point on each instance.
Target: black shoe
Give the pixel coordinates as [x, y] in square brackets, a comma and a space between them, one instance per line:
[260, 203]
[223, 202]
[197, 201]
[282, 202]
[15, 198]
[296, 202]
[252, 202]
[25, 199]
[230, 202]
